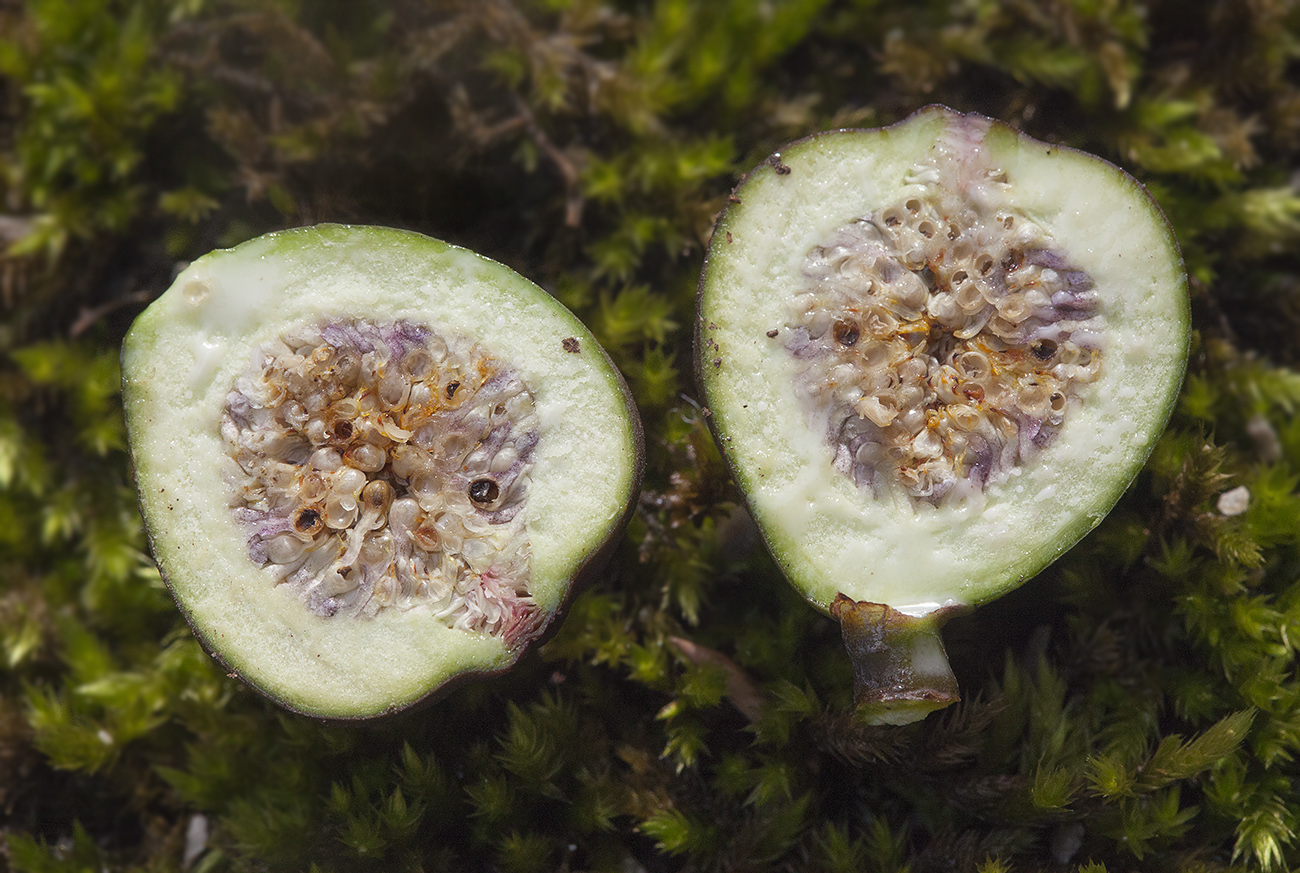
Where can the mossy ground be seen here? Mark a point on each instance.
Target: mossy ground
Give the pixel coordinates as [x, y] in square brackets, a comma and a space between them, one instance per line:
[1137, 707]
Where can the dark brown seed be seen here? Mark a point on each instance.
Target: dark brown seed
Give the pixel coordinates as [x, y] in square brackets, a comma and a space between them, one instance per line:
[308, 521]
[483, 491]
[451, 389]
[847, 333]
[1043, 349]
[376, 494]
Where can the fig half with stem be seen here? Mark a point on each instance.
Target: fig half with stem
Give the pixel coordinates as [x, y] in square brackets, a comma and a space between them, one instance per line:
[935, 355]
[372, 464]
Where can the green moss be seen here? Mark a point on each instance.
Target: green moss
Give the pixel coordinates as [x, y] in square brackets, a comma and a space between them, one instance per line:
[1136, 707]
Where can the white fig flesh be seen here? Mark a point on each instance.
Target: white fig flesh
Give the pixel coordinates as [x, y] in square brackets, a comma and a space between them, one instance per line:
[935, 356]
[372, 464]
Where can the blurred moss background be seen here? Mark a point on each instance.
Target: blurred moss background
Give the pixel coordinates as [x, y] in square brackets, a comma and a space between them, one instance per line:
[1137, 707]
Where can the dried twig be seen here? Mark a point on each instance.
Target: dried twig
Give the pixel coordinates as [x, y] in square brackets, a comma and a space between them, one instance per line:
[90, 315]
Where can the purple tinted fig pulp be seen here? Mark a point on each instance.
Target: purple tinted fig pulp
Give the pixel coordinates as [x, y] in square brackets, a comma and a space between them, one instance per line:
[386, 466]
[942, 343]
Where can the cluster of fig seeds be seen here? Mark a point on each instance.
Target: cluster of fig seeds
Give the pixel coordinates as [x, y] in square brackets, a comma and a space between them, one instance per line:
[943, 341]
[386, 466]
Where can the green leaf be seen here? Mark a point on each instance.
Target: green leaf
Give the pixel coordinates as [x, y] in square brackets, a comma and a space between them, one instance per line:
[676, 832]
[1053, 788]
[1266, 830]
[1175, 760]
[526, 853]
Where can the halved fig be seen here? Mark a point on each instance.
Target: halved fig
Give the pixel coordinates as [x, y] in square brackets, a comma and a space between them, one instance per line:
[935, 355]
[372, 463]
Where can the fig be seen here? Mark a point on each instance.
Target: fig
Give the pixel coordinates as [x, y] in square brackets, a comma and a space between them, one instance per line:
[372, 464]
[935, 355]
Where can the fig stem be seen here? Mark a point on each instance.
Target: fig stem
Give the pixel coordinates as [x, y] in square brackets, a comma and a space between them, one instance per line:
[900, 669]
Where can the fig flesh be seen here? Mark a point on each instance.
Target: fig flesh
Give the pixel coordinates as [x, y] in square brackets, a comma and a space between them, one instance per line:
[372, 464]
[935, 355]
